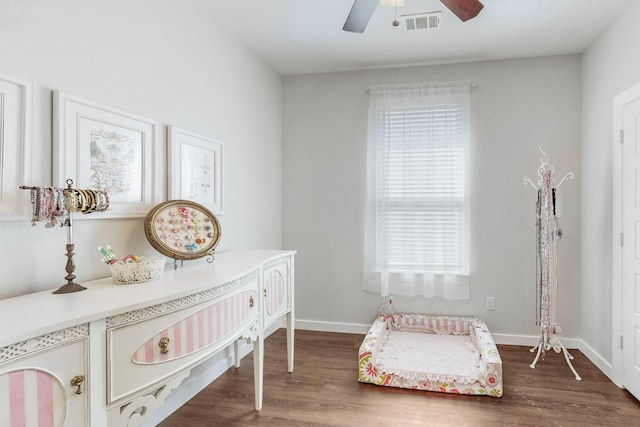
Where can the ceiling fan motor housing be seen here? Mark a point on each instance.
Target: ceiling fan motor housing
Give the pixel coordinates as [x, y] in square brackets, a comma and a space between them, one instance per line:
[362, 10]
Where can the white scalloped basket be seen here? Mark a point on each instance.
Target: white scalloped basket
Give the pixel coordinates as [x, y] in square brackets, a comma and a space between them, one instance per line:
[143, 270]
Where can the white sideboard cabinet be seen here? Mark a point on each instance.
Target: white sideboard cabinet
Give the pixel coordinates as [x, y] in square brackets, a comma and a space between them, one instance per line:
[112, 354]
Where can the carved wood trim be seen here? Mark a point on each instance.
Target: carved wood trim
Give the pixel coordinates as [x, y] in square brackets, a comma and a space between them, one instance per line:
[178, 304]
[43, 342]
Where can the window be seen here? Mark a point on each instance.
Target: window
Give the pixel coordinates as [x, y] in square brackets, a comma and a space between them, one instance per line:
[417, 230]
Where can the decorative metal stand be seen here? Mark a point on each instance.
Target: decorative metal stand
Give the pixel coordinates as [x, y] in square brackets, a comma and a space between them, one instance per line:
[70, 286]
[70, 268]
[548, 233]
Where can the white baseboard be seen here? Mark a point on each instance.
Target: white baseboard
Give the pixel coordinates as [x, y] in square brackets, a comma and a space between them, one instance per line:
[343, 328]
[357, 328]
[532, 340]
[510, 339]
[598, 360]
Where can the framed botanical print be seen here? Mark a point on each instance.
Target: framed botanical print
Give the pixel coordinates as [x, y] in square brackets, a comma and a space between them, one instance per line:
[195, 168]
[103, 148]
[15, 140]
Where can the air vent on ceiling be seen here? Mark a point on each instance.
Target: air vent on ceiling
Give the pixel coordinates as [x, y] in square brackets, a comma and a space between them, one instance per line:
[422, 21]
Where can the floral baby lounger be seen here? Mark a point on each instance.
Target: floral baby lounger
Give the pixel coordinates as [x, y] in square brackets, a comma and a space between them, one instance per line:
[434, 353]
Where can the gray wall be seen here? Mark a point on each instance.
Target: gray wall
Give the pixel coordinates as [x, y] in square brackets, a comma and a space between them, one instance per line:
[517, 105]
[155, 58]
[610, 66]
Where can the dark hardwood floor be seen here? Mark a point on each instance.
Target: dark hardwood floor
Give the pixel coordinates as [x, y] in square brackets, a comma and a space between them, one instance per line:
[324, 391]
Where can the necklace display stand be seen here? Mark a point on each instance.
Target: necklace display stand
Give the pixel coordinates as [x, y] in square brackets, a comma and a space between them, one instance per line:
[548, 233]
[70, 267]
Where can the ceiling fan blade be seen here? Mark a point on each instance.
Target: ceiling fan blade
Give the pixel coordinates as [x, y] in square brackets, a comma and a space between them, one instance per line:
[360, 15]
[464, 9]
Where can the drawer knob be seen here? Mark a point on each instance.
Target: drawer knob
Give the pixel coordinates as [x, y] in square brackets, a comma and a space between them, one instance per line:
[77, 381]
[164, 345]
[251, 302]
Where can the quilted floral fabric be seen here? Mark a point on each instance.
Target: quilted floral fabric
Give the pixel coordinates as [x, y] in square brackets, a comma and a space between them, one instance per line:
[478, 370]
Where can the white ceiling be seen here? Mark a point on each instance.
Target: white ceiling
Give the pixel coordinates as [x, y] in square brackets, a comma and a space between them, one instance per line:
[306, 36]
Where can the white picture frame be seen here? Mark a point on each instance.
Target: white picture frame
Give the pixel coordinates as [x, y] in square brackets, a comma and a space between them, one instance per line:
[15, 143]
[104, 148]
[195, 169]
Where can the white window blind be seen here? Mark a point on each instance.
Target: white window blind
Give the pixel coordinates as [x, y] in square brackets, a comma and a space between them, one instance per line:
[418, 207]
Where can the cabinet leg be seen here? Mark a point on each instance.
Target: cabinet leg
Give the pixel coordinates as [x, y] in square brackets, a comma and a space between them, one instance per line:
[236, 353]
[290, 341]
[258, 369]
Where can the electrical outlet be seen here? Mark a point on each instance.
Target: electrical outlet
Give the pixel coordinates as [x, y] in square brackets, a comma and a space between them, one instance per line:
[490, 303]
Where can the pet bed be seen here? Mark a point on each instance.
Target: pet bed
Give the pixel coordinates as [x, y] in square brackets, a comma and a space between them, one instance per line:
[433, 353]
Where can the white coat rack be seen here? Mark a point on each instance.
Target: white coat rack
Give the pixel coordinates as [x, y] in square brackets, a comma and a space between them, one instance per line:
[548, 233]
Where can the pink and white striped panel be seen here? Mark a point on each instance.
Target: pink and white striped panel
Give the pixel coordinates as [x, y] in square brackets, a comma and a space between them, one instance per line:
[199, 330]
[274, 285]
[35, 398]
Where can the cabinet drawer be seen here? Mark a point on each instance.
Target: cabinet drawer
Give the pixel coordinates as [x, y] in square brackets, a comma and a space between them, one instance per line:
[146, 352]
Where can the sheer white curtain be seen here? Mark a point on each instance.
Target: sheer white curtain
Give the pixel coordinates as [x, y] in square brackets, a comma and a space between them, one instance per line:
[417, 224]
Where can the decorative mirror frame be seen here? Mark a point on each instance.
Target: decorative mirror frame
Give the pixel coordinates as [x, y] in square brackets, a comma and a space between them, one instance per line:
[182, 230]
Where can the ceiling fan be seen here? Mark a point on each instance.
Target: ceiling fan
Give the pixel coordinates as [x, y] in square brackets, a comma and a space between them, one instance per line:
[362, 10]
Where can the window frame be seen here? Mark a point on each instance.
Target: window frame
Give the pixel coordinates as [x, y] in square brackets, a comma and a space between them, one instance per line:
[383, 271]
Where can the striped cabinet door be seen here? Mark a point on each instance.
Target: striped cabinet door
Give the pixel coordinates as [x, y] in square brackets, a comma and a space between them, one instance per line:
[274, 292]
[35, 398]
[277, 290]
[35, 388]
[199, 330]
